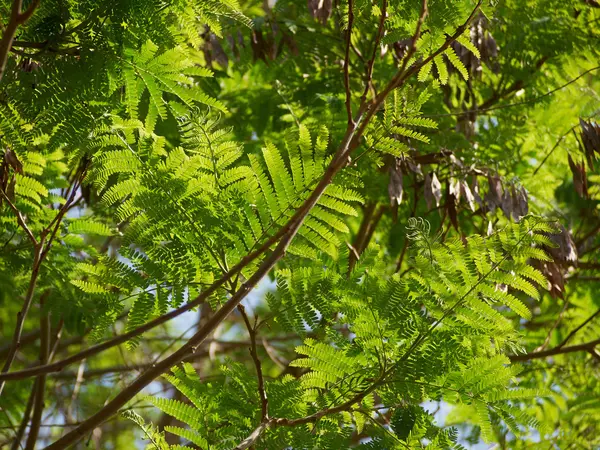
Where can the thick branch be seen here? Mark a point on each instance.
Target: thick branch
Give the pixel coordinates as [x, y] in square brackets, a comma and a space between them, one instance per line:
[265, 267]
[17, 17]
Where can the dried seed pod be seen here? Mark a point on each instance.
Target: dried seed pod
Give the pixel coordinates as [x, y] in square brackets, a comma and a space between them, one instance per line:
[395, 187]
[12, 160]
[320, 9]
[475, 190]
[566, 250]
[467, 194]
[433, 190]
[452, 212]
[579, 177]
[520, 202]
[454, 188]
[493, 197]
[590, 137]
[507, 204]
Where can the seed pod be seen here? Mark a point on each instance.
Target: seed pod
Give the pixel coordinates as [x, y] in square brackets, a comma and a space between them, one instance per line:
[395, 187]
[320, 9]
[493, 197]
[579, 177]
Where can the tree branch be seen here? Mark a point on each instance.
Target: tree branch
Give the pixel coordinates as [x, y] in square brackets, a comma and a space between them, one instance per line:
[17, 17]
[588, 347]
[20, 219]
[371, 62]
[511, 105]
[250, 440]
[41, 249]
[16, 444]
[347, 63]
[264, 402]
[16, 342]
[40, 390]
[572, 333]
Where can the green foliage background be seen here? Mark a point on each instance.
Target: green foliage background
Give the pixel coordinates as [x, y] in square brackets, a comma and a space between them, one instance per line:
[149, 146]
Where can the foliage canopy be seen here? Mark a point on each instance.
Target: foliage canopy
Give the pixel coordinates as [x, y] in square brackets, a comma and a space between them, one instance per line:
[285, 224]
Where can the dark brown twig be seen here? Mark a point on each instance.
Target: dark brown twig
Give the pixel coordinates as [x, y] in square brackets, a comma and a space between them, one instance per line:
[583, 324]
[24, 420]
[371, 62]
[347, 63]
[264, 402]
[40, 391]
[20, 219]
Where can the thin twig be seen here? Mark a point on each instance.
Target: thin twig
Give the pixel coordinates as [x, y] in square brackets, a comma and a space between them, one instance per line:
[583, 324]
[347, 63]
[371, 62]
[554, 326]
[16, 341]
[24, 420]
[40, 391]
[554, 148]
[511, 105]
[264, 401]
[20, 219]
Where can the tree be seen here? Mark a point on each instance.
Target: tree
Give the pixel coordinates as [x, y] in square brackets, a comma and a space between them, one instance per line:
[299, 225]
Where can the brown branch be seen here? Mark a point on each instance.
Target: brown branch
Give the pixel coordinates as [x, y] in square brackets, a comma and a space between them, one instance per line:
[587, 347]
[60, 365]
[24, 420]
[264, 401]
[368, 213]
[17, 17]
[515, 86]
[40, 390]
[371, 62]
[26, 339]
[583, 324]
[20, 219]
[265, 267]
[16, 341]
[347, 63]
[250, 440]
[41, 249]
